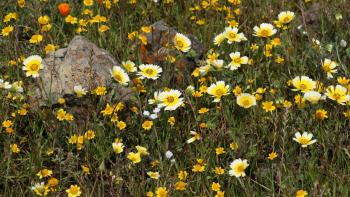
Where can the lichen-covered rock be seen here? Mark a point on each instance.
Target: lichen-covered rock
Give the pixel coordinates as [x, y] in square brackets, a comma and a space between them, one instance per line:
[81, 63]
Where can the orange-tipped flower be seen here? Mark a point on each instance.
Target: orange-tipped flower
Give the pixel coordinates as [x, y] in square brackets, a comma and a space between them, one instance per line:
[64, 9]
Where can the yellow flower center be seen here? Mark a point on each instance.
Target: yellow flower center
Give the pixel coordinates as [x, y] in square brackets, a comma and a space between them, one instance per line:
[265, 32]
[149, 71]
[246, 102]
[303, 140]
[219, 92]
[170, 99]
[74, 190]
[179, 43]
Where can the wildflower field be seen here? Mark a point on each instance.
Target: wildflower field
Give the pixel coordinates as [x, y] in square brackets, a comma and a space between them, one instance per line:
[233, 98]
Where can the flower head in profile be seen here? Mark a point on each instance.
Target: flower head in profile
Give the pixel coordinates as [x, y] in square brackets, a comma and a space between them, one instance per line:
[134, 157]
[303, 83]
[237, 168]
[182, 43]
[129, 66]
[120, 75]
[118, 146]
[237, 60]
[304, 139]
[40, 189]
[170, 99]
[329, 67]
[218, 89]
[149, 71]
[265, 30]
[73, 191]
[286, 17]
[79, 91]
[313, 96]
[32, 65]
[338, 94]
[246, 100]
[153, 175]
[219, 39]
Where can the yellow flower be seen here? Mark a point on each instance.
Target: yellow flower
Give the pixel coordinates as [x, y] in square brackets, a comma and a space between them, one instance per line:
[246, 100]
[218, 89]
[89, 135]
[85, 169]
[147, 125]
[120, 75]
[7, 123]
[142, 150]
[134, 157]
[343, 81]
[10, 16]
[161, 192]
[268, 106]
[180, 185]
[21, 3]
[146, 29]
[237, 90]
[129, 66]
[215, 186]
[321, 114]
[103, 28]
[52, 183]
[15, 148]
[170, 99]
[41, 189]
[182, 43]
[238, 167]
[303, 83]
[286, 17]
[347, 114]
[198, 168]
[338, 93]
[100, 91]
[71, 19]
[237, 60]
[301, 193]
[203, 110]
[73, 191]
[6, 31]
[153, 175]
[121, 125]
[50, 48]
[182, 175]
[219, 39]
[272, 155]
[79, 91]
[329, 67]
[149, 194]
[32, 65]
[220, 194]
[43, 20]
[219, 150]
[171, 120]
[149, 71]
[88, 2]
[265, 30]
[118, 147]
[232, 35]
[219, 170]
[304, 139]
[44, 173]
[36, 39]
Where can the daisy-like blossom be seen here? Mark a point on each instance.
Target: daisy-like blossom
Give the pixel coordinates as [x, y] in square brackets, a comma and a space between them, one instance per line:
[73, 191]
[149, 71]
[232, 35]
[237, 60]
[170, 99]
[120, 75]
[264, 30]
[329, 67]
[32, 65]
[303, 83]
[304, 139]
[237, 168]
[312, 96]
[153, 175]
[218, 89]
[338, 93]
[182, 43]
[118, 147]
[286, 17]
[246, 100]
